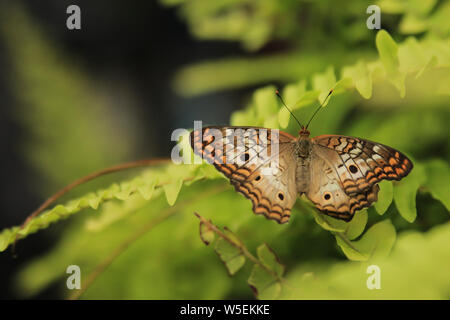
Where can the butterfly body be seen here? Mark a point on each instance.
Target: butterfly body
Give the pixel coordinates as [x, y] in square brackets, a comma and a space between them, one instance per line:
[338, 174]
[303, 152]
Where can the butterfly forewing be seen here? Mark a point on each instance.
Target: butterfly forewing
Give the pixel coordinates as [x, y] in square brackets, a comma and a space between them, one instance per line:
[248, 156]
[365, 161]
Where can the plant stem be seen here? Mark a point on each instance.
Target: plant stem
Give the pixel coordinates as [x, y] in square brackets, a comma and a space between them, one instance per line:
[239, 246]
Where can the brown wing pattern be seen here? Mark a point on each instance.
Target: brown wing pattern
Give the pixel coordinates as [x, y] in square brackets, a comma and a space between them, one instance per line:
[357, 165]
[272, 195]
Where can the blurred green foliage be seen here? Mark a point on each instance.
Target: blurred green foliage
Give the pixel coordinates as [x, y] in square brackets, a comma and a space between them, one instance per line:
[143, 241]
[311, 36]
[64, 114]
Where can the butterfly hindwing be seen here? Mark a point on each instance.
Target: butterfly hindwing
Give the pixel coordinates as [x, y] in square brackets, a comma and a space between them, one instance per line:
[353, 168]
[326, 189]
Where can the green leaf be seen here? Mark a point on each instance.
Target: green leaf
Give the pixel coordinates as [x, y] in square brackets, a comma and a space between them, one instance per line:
[361, 77]
[264, 285]
[388, 50]
[356, 227]
[6, 237]
[232, 257]
[283, 117]
[271, 122]
[265, 101]
[305, 99]
[377, 242]
[350, 230]
[412, 56]
[438, 177]
[93, 201]
[269, 259]
[126, 189]
[206, 233]
[343, 85]
[324, 82]
[146, 189]
[176, 175]
[239, 118]
[405, 193]
[172, 190]
[327, 223]
[385, 196]
[292, 93]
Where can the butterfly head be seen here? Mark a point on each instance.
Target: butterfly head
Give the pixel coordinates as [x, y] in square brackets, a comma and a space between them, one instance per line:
[303, 132]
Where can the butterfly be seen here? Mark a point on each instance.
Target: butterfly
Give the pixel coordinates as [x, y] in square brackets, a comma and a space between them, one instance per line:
[338, 174]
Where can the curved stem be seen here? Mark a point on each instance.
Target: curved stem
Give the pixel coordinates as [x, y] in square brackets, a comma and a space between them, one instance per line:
[63, 191]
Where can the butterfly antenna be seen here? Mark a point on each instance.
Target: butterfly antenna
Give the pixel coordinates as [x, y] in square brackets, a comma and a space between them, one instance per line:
[284, 104]
[320, 107]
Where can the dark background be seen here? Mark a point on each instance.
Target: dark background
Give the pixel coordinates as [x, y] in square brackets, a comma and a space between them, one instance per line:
[138, 41]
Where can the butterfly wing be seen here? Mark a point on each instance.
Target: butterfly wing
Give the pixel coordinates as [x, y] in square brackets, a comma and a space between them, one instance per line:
[243, 155]
[352, 168]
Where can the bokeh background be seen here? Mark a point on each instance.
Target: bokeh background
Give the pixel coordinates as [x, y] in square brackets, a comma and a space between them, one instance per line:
[76, 101]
